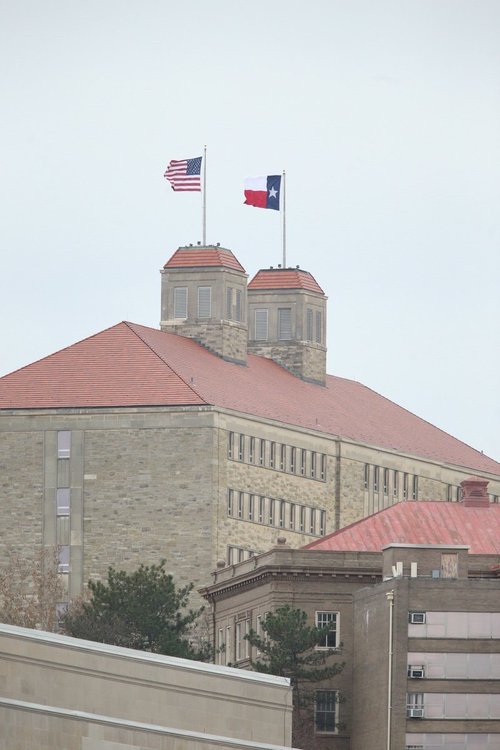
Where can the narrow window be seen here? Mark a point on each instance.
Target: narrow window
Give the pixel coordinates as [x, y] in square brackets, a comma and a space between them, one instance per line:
[284, 323]
[319, 334]
[271, 512]
[272, 455]
[230, 502]
[251, 450]
[262, 452]
[63, 501]
[458, 494]
[281, 517]
[309, 324]
[241, 554]
[449, 493]
[283, 457]
[292, 460]
[238, 305]
[303, 462]
[325, 709]
[251, 503]
[323, 467]
[230, 445]
[312, 520]
[180, 302]
[367, 475]
[261, 325]
[414, 492]
[322, 522]
[376, 472]
[204, 301]
[241, 497]
[313, 465]
[221, 647]
[386, 480]
[241, 448]
[405, 487]
[229, 645]
[229, 303]
[292, 515]
[246, 644]
[395, 489]
[63, 566]
[328, 622]
[302, 518]
[63, 444]
[262, 509]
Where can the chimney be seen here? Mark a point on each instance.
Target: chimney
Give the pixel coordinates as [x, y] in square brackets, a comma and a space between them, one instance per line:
[474, 493]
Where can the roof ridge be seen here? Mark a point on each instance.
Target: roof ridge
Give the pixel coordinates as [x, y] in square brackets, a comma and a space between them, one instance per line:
[156, 330]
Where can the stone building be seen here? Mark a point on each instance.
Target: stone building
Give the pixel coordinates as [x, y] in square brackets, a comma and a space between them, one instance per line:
[412, 596]
[72, 694]
[197, 441]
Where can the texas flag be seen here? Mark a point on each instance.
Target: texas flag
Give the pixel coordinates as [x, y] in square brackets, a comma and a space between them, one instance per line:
[263, 192]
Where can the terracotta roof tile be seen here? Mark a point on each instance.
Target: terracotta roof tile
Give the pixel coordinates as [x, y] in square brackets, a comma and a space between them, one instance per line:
[201, 257]
[420, 522]
[131, 364]
[285, 278]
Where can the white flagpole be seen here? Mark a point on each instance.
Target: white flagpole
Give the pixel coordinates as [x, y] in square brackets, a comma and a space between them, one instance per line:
[284, 220]
[204, 202]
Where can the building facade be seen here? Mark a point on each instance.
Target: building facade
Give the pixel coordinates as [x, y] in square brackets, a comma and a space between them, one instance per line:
[416, 622]
[202, 440]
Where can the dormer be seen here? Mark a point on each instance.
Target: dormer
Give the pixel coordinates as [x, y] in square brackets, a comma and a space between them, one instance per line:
[204, 297]
[287, 321]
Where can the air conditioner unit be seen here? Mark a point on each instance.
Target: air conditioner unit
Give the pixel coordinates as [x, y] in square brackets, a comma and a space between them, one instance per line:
[416, 618]
[416, 672]
[415, 713]
[414, 747]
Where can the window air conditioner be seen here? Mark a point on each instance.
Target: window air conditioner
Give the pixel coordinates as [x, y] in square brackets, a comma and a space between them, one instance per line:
[416, 618]
[415, 713]
[416, 672]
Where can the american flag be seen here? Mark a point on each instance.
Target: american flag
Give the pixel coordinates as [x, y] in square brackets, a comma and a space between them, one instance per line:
[184, 174]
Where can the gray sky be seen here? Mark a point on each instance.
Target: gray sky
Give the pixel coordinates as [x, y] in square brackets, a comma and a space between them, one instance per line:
[385, 115]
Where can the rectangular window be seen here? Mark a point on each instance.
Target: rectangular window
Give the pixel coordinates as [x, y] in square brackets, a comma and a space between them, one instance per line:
[241, 497]
[414, 492]
[261, 325]
[239, 641]
[262, 453]
[238, 305]
[405, 487]
[292, 460]
[376, 472]
[63, 566]
[323, 467]
[328, 622]
[322, 522]
[449, 494]
[63, 501]
[230, 501]
[251, 503]
[309, 324]
[272, 455]
[302, 518]
[229, 645]
[458, 494]
[319, 332]
[262, 509]
[292, 515]
[386, 481]
[367, 476]
[325, 710]
[180, 302]
[312, 520]
[281, 516]
[229, 303]
[283, 458]
[221, 647]
[230, 445]
[313, 465]
[284, 323]
[303, 462]
[251, 450]
[63, 444]
[395, 489]
[271, 512]
[241, 448]
[204, 301]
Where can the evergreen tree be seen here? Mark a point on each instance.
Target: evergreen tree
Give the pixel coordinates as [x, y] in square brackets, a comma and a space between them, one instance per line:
[140, 610]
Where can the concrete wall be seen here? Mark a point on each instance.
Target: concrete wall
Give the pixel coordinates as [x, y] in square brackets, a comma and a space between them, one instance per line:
[45, 679]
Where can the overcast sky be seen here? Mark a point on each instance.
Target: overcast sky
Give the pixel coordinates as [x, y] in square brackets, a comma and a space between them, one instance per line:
[385, 115]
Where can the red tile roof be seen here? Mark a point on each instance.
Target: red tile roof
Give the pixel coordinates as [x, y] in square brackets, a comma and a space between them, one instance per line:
[197, 256]
[420, 522]
[285, 278]
[131, 365]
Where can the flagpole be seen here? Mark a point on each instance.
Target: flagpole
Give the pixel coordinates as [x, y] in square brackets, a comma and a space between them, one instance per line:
[284, 220]
[204, 201]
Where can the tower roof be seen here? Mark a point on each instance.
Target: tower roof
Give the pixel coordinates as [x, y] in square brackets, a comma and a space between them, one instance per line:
[132, 365]
[285, 278]
[197, 256]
